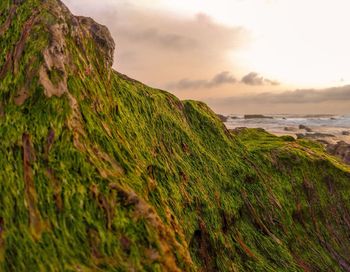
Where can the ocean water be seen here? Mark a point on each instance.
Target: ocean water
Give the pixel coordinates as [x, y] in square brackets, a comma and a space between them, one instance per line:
[278, 121]
[330, 124]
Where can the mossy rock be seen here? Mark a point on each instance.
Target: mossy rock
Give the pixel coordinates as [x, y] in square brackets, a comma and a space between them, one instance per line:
[102, 173]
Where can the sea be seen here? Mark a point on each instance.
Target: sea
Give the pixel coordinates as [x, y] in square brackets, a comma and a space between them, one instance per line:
[289, 124]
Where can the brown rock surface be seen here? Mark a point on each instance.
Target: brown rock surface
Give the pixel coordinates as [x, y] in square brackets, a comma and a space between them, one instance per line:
[341, 150]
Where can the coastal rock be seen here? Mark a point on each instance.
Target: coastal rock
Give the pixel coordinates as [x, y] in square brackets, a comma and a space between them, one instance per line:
[287, 138]
[237, 130]
[140, 180]
[101, 36]
[319, 135]
[256, 116]
[300, 136]
[341, 150]
[53, 74]
[323, 141]
[314, 136]
[290, 129]
[223, 118]
[305, 128]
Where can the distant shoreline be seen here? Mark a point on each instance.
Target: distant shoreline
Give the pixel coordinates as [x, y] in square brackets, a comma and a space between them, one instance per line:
[325, 128]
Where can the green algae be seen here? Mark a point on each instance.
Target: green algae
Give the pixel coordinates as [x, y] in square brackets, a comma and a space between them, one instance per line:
[132, 179]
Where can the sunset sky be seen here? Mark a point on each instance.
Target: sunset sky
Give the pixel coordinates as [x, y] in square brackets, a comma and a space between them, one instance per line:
[239, 56]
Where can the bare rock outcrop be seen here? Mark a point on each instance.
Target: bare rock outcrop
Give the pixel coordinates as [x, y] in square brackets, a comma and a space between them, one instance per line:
[223, 118]
[305, 128]
[341, 150]
[102, 37]
[53, 73]
[257, 116]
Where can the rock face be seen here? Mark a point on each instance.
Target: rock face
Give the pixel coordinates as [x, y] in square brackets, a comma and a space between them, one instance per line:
[305, 128]
[341, 150]
[315, 135]
[53, 71]
[56, 60]
[290, 129]
[101, 36]
[256, 116]
[99, 172]
[222, 117]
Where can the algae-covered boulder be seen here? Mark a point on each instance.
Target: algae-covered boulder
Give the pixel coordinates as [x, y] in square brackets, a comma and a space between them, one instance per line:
[99, 172]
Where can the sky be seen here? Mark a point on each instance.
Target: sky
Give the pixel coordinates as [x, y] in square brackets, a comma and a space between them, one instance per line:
[239, 56]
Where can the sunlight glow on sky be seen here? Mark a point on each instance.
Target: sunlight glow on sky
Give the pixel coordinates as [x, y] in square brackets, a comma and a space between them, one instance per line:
[300, 43]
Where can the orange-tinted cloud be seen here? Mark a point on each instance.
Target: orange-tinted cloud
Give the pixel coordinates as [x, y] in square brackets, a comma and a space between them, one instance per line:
[328, 100]
[218, 80]
[223, 78]
[159, 48]
[255, 79]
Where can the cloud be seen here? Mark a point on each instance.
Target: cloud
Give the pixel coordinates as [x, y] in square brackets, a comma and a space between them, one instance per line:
[308, 96]
[255, 79]
[158, 47]
[218, 80]
[328, 100]
[300, 96]
[155, 37]
[252, 79]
